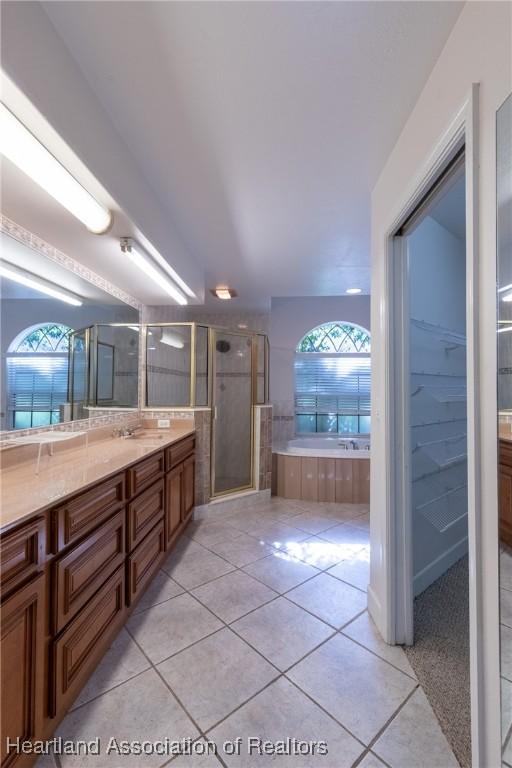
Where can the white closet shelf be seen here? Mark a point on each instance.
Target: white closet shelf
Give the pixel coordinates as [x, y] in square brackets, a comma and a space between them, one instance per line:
[445, 510]
[443, 393]
[446, 336]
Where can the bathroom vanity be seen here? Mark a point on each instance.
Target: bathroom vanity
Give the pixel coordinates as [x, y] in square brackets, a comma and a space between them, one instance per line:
[79, 544]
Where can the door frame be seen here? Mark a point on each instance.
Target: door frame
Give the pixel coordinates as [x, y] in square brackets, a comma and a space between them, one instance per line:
[397, 560]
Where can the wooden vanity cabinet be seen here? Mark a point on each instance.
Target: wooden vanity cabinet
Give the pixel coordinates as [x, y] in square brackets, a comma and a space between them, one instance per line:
[22, 617]
[71, 576]
[505, 492]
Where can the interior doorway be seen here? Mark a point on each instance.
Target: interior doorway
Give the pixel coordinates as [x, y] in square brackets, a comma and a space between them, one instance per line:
[431, 245]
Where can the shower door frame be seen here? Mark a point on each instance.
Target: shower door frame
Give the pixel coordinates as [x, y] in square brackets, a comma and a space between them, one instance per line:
[214, 330]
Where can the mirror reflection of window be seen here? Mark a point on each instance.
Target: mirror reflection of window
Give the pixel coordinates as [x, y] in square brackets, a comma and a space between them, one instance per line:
[504, 341]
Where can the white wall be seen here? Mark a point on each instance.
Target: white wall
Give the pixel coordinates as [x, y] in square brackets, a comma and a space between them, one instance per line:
[290, 320]
[478, 50]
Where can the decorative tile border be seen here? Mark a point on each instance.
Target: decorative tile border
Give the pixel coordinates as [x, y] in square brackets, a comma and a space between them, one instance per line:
[22, 235]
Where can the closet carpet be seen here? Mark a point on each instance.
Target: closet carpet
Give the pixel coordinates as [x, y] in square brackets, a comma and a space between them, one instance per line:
[440, 655]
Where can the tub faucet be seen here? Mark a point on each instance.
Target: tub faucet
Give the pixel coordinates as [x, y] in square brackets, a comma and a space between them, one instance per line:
[354, 445]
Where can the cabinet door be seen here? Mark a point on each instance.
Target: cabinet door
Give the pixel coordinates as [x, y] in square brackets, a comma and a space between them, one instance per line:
[173, 503]
[505, 497]
[145, 561]
[143, 512]
[188, 487]
[22, 654]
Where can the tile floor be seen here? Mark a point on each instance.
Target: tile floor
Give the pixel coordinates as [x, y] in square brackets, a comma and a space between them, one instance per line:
[256, 626]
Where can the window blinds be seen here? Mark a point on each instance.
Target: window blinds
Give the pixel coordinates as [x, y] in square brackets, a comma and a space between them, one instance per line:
[36, 383]
[332, 384]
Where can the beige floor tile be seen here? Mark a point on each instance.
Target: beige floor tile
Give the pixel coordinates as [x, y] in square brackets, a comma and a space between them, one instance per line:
[506, 607]
[363, 521]
[278, 712]
[506, 570]
[330, 599]
[234, 595]
[313, 522]
[122, 661]
[278, 534]
[314, 551]
[248, 518]
[280, 571]
[354, 570]
[414, 738]
[142, 709]
[215, 676]
[360, 690]
[197, 760]
[196, 568]
[209, 532]
[282, 632]
[242, 550]
[371, 761]
[349, 537]
[506, 652]
[46, 761]
[364, 631]
[171, 626]
[162, 588]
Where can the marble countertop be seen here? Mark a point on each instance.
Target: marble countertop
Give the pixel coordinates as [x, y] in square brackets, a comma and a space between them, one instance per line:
[24, 494]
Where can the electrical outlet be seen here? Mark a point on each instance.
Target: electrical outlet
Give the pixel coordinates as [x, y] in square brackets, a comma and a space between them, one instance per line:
[164, 423]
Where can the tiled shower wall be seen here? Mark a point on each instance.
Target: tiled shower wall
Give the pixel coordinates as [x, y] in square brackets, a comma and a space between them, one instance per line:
[263, 417]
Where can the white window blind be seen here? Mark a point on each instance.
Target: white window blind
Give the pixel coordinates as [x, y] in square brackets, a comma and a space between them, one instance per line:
[37, 382]
[332, 384]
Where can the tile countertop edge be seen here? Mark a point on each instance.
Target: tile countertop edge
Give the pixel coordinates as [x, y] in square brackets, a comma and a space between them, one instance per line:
[34, 511]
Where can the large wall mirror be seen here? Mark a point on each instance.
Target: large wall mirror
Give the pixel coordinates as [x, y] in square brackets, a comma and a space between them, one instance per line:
[67, 346]
[504, 335]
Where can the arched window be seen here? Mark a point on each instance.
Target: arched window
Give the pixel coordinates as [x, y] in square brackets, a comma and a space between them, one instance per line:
[332, 380]
[37, 375]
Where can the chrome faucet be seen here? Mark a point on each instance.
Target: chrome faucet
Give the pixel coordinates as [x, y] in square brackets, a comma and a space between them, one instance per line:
[125, 431]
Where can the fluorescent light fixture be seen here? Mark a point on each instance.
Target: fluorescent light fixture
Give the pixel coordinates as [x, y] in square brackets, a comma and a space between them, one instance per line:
[146, 265]
[353, 291]
[171, 339]
[508, 329]
[505, 288]
[29, 280]
[23, 149]
[507, 297]
[223, 292]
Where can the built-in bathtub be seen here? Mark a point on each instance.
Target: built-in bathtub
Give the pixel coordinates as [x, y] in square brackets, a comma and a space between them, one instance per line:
[322, 468]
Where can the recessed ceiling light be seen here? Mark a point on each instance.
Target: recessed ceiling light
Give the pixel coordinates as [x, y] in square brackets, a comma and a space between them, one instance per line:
[353, 290]
[223, 292]
[26, 152]
[42, 286]
[146, 265]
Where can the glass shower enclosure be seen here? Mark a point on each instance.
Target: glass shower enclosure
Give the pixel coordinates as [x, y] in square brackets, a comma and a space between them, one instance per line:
[191, 365]
[103, 368]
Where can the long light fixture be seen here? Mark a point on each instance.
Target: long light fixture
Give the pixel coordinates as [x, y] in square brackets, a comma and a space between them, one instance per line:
[31, 281]
[353, 291]
[146, 265]
[23, 149]
[507, 297]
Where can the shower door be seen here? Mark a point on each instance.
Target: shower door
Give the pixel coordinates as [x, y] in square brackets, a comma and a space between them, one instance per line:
[232, 412]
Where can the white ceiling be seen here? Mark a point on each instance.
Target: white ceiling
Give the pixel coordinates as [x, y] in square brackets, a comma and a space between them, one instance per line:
[260, 127]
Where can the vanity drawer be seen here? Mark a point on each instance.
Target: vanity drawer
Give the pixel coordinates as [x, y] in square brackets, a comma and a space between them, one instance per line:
[145, 472]
[144, 512]
[145, 562]
[83, 513]
[22, 553]
[78, 574]
[179, 451]
[80, 647]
